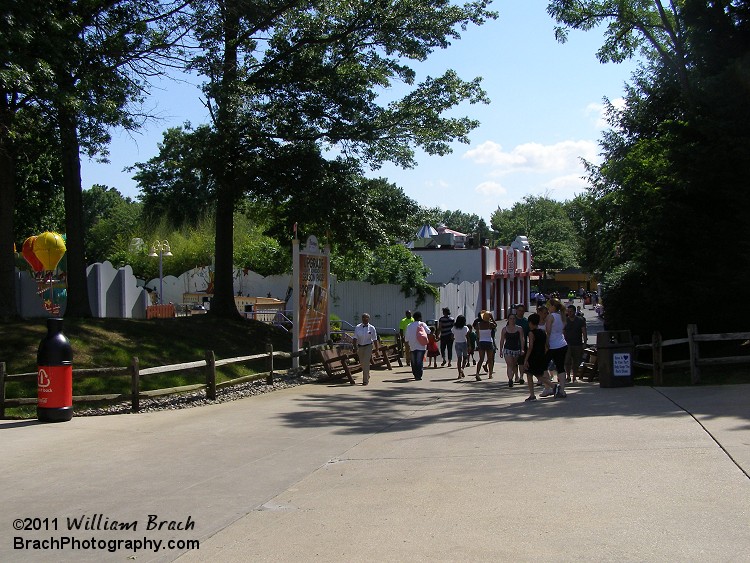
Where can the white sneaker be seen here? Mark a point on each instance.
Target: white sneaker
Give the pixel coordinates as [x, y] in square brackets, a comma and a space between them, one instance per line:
[545, 392]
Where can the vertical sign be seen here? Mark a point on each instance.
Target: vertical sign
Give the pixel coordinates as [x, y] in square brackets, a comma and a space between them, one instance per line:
[311, 279]
[621, 365]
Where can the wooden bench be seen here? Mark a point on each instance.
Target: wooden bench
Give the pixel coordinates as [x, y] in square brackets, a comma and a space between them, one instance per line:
[337, 364]
[386, 354]
[589, 367]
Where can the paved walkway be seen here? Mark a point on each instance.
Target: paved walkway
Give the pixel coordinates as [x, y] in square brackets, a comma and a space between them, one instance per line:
[396, 471]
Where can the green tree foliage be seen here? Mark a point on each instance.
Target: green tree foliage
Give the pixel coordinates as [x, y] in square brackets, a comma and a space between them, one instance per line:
[665, 218]
[651, 28]
[177, 182]
[81, 66]
[311, 72]
[192, 246]
[253, 250]
[548, 227]
[396, 264]
[390, 264]
[109, 220]
[457, 220]
[38, 184]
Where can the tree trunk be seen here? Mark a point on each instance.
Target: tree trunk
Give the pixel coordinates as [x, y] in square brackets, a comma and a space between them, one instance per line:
[78, 296]
[223, 304]
[8, 308]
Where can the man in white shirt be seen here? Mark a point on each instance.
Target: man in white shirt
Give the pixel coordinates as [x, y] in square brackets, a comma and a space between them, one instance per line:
[417, 349]
[364, 339]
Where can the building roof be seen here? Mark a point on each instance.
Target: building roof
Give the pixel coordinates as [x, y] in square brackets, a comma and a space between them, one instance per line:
[442, 229]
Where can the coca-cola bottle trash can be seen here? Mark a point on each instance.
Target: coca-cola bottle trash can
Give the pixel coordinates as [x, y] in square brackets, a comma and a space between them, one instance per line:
[54, 362]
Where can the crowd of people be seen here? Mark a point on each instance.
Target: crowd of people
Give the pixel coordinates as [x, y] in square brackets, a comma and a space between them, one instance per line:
[547, 346]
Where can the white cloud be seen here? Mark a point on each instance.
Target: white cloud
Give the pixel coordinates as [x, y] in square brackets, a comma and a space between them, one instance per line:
[597, 112]
[436, 184]
[490, 189]
[566, 187]
[559, 158]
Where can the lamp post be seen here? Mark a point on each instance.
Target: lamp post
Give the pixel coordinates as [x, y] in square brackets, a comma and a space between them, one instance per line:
[160, 248]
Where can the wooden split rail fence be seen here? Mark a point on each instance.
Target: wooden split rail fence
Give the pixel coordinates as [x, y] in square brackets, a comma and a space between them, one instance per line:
[209, 364]
[694, 361]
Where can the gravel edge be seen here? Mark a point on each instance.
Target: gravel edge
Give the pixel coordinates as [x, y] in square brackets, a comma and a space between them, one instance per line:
[291, 378]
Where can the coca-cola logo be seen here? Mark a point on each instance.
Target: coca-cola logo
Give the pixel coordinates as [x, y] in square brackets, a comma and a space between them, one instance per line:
[43, 379]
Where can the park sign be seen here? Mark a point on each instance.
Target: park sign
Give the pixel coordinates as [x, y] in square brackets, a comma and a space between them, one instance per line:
[311, 291]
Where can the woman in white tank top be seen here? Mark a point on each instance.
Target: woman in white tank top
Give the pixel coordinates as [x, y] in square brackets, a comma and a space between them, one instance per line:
[557, 347]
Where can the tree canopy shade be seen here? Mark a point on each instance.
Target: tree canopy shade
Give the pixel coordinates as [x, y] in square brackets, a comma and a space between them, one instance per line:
[80, 66]
[281, 71]
[665, 219]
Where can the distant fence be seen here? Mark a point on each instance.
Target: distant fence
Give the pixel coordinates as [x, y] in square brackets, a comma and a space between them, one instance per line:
[208, 364]
[694, 361]
[160, 311]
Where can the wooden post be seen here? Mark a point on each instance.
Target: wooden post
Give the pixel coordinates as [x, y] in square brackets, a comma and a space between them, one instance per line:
[2, 390]
[695, 371]
[135, 398]
[308, 355]
[269, 378]
[656, 358]
[210, 375]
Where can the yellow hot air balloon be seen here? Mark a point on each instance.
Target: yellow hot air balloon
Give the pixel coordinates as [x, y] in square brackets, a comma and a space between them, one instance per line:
[49, 248]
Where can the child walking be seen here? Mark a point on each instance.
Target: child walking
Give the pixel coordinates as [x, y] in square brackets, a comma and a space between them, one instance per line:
[471, 339]
[433, 350]
[461, 342]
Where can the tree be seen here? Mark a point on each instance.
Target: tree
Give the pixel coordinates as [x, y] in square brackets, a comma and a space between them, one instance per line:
[81, 65]
[177, 183]
[674, 162]
[396, 264]
[457, 220]
[652, 28]
[16, 37]
[38, 203]
[110, 221]
[546, 224]
[301, 71]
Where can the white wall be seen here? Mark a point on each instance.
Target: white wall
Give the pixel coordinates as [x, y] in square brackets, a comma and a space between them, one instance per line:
[385, 303]
[116, 293]
[452, 266]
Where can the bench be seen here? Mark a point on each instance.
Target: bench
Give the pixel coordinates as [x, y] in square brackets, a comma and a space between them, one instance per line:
[386, 354]
[337, 364]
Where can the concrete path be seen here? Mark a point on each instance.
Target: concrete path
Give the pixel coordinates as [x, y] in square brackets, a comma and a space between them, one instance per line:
[396, 471]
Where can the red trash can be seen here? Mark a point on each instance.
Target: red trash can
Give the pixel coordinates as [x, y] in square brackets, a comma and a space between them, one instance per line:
[54, 362]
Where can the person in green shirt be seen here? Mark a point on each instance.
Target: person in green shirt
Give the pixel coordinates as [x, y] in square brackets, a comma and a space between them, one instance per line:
[402, 331]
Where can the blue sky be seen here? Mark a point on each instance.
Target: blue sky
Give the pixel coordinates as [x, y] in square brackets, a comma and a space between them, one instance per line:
[544, 116]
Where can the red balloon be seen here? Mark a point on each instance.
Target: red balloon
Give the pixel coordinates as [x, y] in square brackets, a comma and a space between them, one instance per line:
[28, 254]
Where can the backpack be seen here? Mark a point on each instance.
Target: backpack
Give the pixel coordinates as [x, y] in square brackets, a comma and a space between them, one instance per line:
[422, 337]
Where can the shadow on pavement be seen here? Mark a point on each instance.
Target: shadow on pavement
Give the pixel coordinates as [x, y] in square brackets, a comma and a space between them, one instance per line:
[20, 423]
[408, 407]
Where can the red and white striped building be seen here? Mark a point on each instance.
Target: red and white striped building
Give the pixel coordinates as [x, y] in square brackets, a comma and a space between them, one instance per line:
[506, 277]
[503, 274]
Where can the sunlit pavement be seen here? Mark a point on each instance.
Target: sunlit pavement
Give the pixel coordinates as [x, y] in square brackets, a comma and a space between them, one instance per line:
[402, 470]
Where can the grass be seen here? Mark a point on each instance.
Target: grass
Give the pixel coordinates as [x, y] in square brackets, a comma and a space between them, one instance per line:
[113, 342]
